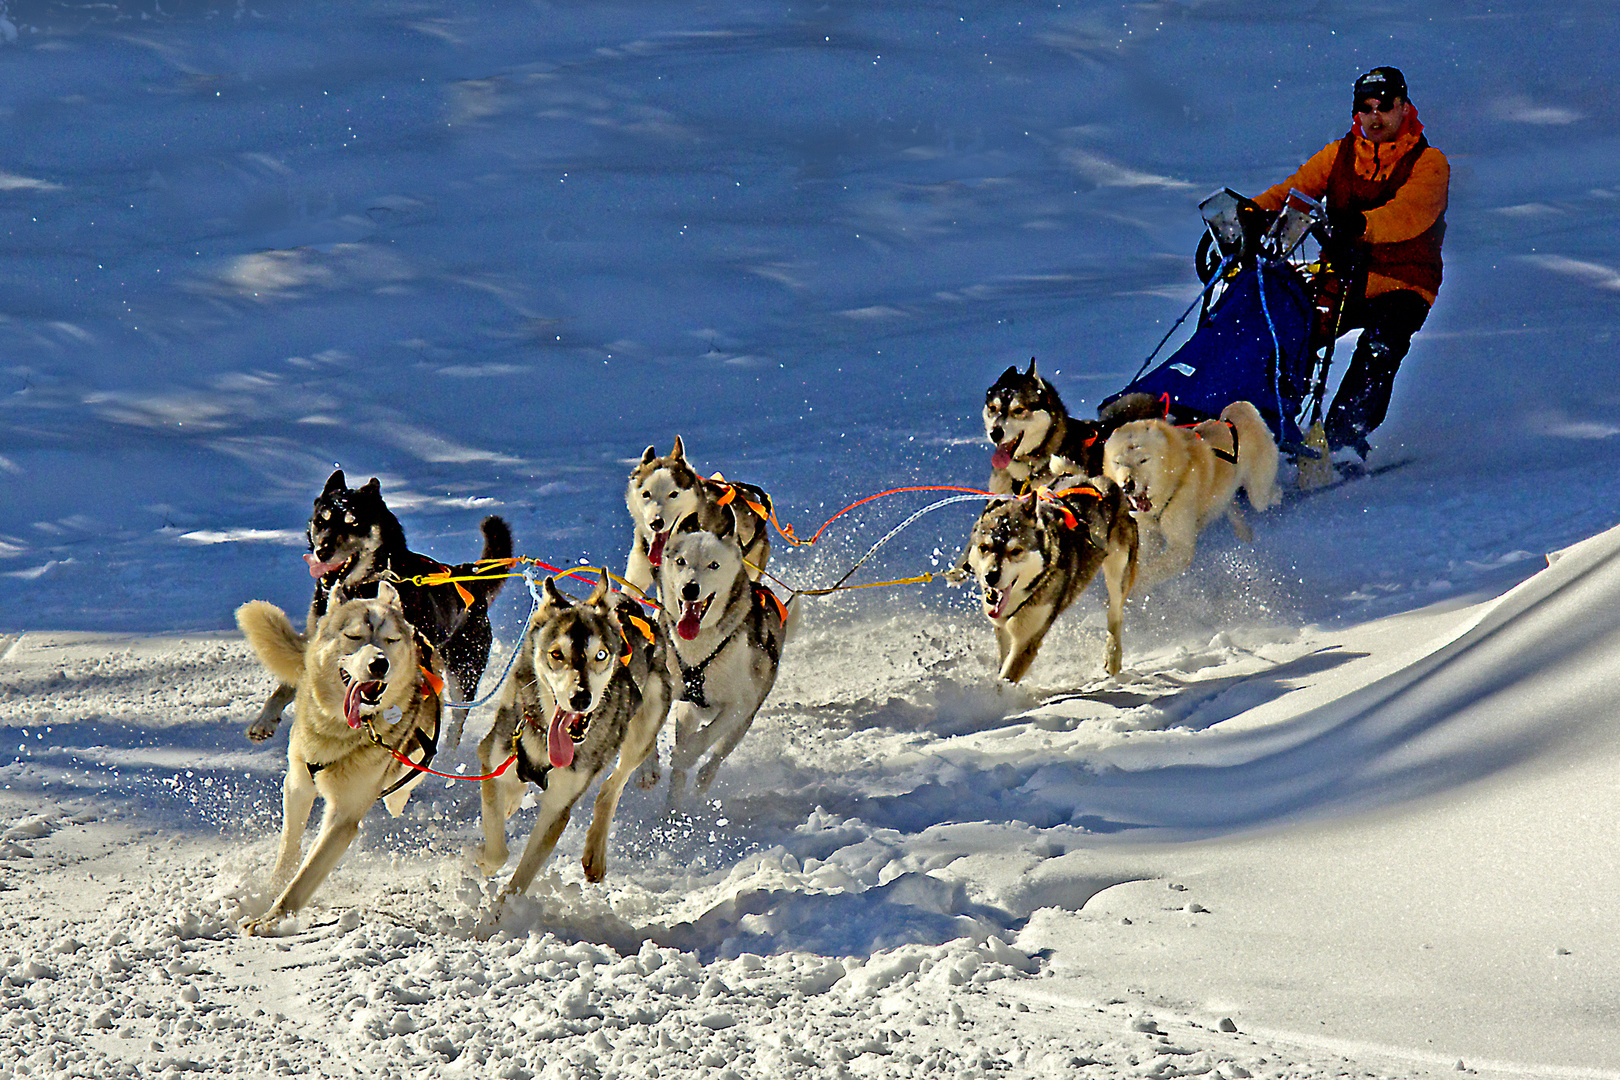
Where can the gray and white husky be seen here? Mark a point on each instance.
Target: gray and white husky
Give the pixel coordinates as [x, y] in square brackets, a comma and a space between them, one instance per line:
[666, 490]
[725, 635]
[364, 677]
[590, 685]
[1033, 556]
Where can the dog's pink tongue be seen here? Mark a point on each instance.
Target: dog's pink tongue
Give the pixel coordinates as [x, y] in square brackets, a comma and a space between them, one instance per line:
[1000, 459]
[353, 703]
[559, 747]
[691, 621]
[655, 554]
[317, 568]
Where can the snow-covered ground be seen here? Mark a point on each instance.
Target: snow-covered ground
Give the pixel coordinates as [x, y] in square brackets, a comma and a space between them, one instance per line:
[1349, 810]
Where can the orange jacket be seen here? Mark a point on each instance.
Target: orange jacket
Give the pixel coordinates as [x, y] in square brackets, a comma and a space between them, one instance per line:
[1415, 207]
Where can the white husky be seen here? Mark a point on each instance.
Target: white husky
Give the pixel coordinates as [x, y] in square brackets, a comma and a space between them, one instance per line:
[726, 635]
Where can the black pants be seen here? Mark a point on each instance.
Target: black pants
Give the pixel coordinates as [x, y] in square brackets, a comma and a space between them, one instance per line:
[1389, 321]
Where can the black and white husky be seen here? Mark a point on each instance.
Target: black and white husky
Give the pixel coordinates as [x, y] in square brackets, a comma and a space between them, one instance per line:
[666, 490]
[1036, 440]
[355, 542]
[589, 686]
[366, 683]
[1033, 556]
[725, 635]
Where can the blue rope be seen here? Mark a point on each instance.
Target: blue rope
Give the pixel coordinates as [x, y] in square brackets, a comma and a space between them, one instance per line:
[1276, 342]
[534, 594]
[898, 529]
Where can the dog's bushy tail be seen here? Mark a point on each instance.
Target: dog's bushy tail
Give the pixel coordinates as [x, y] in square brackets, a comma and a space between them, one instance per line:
[279, 646]
[497, 545]
[1257, 455]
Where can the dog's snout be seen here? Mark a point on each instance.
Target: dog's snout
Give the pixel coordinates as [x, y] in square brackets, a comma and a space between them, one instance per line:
[378, 667]
[689, 592]
[581, 700]
[997, 435]
[656, 524]
[992, 576]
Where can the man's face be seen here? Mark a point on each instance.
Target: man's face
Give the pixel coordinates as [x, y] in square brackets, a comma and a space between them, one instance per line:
[1381, 118]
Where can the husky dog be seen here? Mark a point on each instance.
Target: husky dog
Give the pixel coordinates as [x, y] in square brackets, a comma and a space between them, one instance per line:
[1179, 479]
[665, 490]
[726, 635]
[355, 541]
[1036, 440]
[1033, 556]
[366, 684]
[590, 683]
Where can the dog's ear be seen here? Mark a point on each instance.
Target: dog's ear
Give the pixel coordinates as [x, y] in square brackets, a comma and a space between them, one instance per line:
[1031, 371]
[649, 455]
[554, 599]
[387, 594]
[371, 488]
[1010, 374]
[335, 483]
[679, 453]
[599, 593]
[336, 597]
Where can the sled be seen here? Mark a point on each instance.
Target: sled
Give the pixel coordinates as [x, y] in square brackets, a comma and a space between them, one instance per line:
[1269, 315]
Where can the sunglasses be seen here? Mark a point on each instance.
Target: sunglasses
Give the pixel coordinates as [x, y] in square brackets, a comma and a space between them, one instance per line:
[1384, 104]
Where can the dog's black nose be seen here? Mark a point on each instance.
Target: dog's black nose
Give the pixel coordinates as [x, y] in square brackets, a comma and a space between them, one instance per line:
[996, 435]
[991, 577]
[581, 700]
[689, 591]
[656, 524]
[378, 668]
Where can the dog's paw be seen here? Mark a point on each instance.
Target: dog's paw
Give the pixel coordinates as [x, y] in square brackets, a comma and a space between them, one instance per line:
[485, 860]
[273, 923]
[262, 728]
[595, 864]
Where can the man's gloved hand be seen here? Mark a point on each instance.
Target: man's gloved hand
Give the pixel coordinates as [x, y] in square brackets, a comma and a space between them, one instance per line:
[1345, 229]
[1347, 226]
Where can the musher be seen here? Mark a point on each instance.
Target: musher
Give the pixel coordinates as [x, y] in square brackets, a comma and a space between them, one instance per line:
[1385, 190]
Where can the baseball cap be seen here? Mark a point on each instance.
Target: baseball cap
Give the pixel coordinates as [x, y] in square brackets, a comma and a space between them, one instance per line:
[1381, 82]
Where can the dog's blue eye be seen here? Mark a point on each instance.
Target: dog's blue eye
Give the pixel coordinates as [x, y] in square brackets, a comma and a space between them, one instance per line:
[601, 654]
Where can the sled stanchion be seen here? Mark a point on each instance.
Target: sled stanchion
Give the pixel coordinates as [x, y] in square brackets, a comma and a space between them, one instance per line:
[1202, 295]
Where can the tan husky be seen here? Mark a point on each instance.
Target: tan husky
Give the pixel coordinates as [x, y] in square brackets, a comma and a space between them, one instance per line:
[367, 683]
[1179, 479]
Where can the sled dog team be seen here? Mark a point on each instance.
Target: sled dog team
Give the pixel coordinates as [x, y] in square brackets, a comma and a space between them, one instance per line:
[594, 680]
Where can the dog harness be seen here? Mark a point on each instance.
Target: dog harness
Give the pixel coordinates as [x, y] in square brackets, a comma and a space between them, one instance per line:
[692, 675]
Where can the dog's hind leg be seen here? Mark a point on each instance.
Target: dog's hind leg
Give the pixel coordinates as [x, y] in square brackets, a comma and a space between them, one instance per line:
[563, 789]
[689, 746]
[264, 725]
[1240, 524]
[728, 730]
[455, 691]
